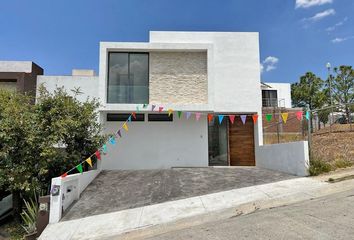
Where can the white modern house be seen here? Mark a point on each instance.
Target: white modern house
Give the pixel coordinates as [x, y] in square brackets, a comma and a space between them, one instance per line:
[211, 78]
[193, 72]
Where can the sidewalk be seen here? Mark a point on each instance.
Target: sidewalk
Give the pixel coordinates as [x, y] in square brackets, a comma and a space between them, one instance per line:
[192, 211]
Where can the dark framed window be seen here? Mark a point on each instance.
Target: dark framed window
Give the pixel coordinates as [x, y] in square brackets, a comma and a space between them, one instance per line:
[122, 117]
[160, 117]
[269, 98]
[128, 77]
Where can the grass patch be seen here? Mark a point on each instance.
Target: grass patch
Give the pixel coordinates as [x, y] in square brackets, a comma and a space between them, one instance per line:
[13, 229]
[340, 163]
[318, 167]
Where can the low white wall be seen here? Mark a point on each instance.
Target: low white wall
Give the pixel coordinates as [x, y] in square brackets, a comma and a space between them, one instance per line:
[158, 145]
[290, 158]
[70, 189]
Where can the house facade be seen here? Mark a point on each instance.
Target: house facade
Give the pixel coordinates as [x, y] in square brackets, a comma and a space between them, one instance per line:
[196, 73]
[276, 95]
[20, 76]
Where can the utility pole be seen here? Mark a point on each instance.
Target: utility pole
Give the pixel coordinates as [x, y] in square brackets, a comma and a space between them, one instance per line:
[328, 65]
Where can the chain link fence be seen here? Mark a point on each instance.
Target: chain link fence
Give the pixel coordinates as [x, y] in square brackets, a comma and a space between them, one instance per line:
[329, 130]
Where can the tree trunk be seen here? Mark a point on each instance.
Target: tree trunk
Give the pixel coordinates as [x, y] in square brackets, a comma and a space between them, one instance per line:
[17, 205]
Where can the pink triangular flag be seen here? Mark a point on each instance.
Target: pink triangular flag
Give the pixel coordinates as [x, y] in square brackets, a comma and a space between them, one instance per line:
[232, 118]
[299, 115]
[197, 116]
[160, 109]
[243, 119]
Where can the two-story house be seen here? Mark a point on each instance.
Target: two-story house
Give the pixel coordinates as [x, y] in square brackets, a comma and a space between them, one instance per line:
[198, 73]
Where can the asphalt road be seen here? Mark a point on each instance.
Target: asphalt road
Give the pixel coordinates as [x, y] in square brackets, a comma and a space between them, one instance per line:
[330, 217]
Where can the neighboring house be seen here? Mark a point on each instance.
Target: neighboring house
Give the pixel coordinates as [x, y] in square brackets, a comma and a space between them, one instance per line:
[19, 76]
[276, 95]
[276, 99]
[204, 72]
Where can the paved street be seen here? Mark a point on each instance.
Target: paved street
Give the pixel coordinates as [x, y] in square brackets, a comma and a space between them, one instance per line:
[118, 190]
[330, 217]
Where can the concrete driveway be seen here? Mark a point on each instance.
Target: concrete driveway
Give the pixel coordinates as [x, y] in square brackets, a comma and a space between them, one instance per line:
[118, 190]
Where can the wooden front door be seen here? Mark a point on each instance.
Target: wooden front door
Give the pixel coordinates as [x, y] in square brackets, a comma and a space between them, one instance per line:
[241, 143]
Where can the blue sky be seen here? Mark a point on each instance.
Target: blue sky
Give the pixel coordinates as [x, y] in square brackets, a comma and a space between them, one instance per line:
[295, 35]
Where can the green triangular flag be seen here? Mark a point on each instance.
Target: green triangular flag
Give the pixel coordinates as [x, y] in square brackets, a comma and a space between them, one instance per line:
[269, 117]
[79, 168]
[179, 114]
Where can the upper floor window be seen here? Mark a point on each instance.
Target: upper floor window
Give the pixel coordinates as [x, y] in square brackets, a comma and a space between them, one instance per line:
[128, 78]
[269, 98]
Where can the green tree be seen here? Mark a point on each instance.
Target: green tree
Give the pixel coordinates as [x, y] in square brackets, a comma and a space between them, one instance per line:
[343, 87]
[71, 125]
[38, 142]
[22, 148]
[308, 91]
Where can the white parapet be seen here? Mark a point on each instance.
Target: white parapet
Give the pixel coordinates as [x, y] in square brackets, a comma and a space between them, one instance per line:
[290, 158]
[69, 190]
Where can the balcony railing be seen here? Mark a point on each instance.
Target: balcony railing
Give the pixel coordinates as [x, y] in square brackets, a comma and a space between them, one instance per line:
[273, 102]
[128, 94]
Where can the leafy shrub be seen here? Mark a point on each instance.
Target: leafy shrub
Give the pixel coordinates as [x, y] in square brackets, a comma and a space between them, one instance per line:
[318, 167]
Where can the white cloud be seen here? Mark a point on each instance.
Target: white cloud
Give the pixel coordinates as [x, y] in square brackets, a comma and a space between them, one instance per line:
[310, 3]
[339, 40]
[332, 28]
[321, 15]
[269, 64]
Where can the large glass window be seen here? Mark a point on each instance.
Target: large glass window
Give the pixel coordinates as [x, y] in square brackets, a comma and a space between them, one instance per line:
[218, 143]
[128, 78]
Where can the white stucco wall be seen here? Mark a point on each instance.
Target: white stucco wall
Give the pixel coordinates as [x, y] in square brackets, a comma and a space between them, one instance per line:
[290, 158]
[70, 189]
[155, 145]
[284, 93]
[88, 84]
[16, 66]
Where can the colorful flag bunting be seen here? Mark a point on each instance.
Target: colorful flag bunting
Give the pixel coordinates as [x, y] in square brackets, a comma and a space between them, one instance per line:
[255, 118]
[170, 111]
[98, 154]
[130, 118]
[64, 175]
[197, 116]
[179, 114]
[160, 109]
[243, 119]
[152, 107]
[308, 115]
[232, 118]
[210, 117]
[188, 114]
[299, 115]
[221, 117]
[125, 126]
[285, 116]
[79, 168]
[119, 133]
[89, 161]
[112, 140]
[134, 115]
[104, 148]
[145, 105]
[269, 117]
[137, 109]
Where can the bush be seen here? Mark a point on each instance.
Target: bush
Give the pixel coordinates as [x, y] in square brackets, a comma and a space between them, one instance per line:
[318, 167]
